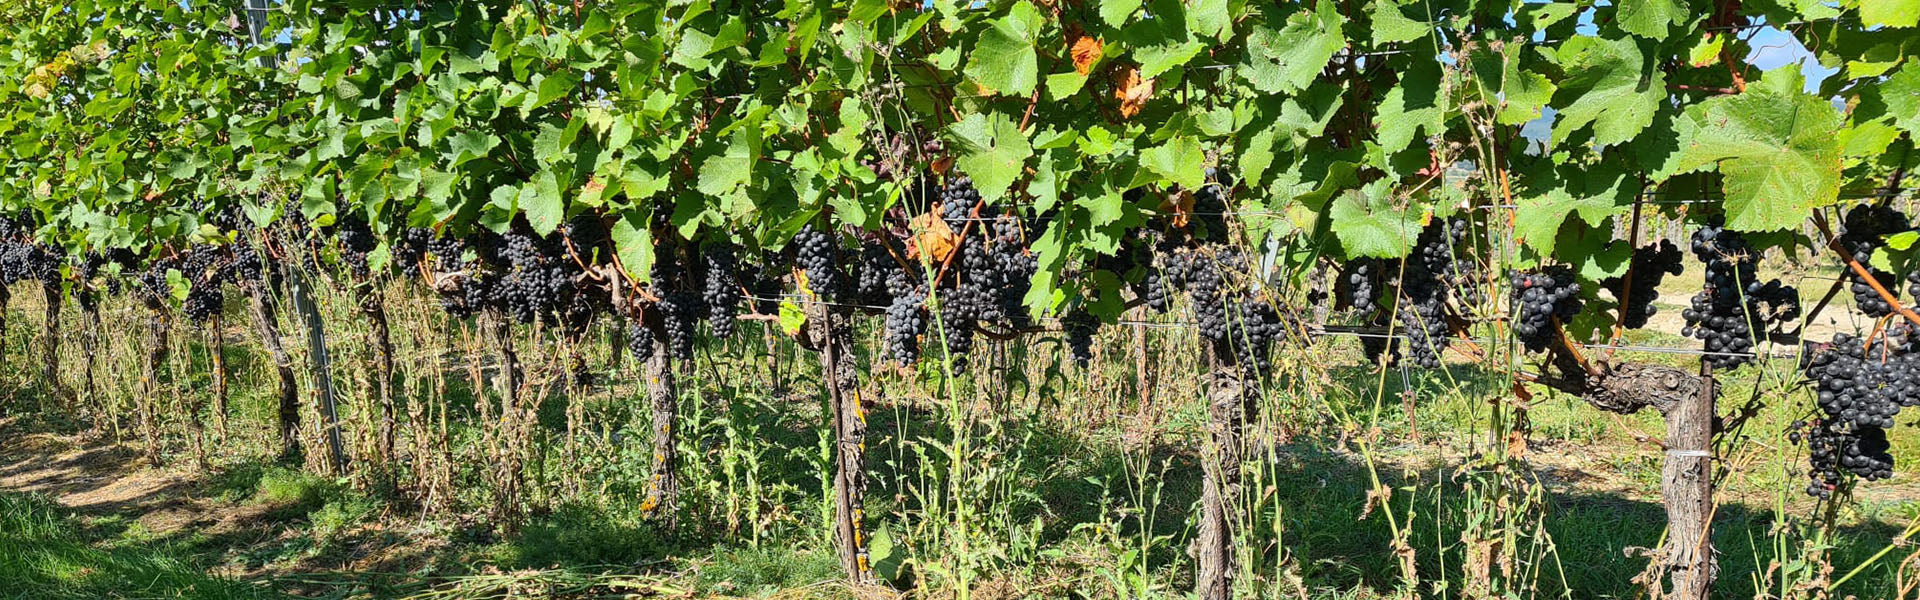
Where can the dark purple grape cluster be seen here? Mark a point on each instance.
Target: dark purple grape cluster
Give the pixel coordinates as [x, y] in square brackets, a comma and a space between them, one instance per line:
[1833, 447]
[988, 277]
[1210, 206]
[906, 322]
[205, 269]
[22, 259]
[720, 289]
[1436, 271]
[639, 341]
[1540, 297]
[1080, 326]
[356, 242]
[818, 253]
[465, 287]
[1421, 311]
[1206, 287]
[1864, 385]
[960, 309]
[679, 317]
[1862, 231]
[1256, 325]
[1362, 279]
[1163, 277]
[1650, 264]
[411, 249]
[528, 283]
[1733, 307]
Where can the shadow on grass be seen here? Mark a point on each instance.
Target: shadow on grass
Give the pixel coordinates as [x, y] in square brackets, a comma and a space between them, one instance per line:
[48, 558]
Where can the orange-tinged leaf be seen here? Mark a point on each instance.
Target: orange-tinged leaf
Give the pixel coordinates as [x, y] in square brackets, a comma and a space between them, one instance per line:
[932, 237]
[1181, 205]
[1086, 51]
[1132, 90]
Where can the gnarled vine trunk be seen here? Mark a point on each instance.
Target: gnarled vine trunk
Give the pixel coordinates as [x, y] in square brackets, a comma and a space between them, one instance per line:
[150, 377]
[267, 326]
[50, 341]
[507, 468]
[1686, 479]
[1213, 550]
[663, 400]
[837, 367]
[217, 349]
[1686, 487]
[373, 307]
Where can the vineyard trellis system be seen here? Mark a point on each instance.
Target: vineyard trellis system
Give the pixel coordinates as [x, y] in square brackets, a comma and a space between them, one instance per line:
[954, 173]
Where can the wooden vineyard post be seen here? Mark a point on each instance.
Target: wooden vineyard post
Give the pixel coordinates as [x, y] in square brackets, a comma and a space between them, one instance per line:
[837, 367]
[1213, 551]
[266, 325]
[303, 303]
[663, 398]
[1686, 486]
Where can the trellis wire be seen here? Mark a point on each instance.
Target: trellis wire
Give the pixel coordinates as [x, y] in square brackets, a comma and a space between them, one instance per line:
[1320, 331]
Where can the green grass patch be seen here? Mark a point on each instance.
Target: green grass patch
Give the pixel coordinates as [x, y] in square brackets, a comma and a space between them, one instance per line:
[47, 558]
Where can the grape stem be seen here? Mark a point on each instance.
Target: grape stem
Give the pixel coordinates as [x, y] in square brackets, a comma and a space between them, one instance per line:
[1820, 221]
[1572, 350]
[973, 216]
[1626, 281]
[1815, 313]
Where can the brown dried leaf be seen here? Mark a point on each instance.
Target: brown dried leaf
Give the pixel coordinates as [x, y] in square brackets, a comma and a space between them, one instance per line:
[1181, 205]
[1086, 51]
[932, 237]
[1132, 91]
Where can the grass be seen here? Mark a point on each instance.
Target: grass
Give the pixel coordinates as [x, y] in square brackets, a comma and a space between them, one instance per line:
[49, 557]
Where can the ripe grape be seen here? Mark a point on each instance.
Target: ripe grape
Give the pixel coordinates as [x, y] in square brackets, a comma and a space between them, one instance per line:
[1650, 264]
[1540, 297]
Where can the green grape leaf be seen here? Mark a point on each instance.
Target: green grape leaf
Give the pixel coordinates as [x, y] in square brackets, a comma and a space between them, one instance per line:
[1004, 59]
[1179, 160]
[471, 144]
[995, 152]
[1610, 88]
[1777, 146]
[1368, 223]
[1115, 12]
[633, 244]
[1391, 26]
[1519, 94]
[1591, 196]
[1290, 58]
[1411, 106]
[543, 203]
[1649, 18]
[792, 317]
[1901, 93]
[1890, 13]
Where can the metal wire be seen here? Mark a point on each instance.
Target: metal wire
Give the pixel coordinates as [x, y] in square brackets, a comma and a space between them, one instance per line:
[1320, 331]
